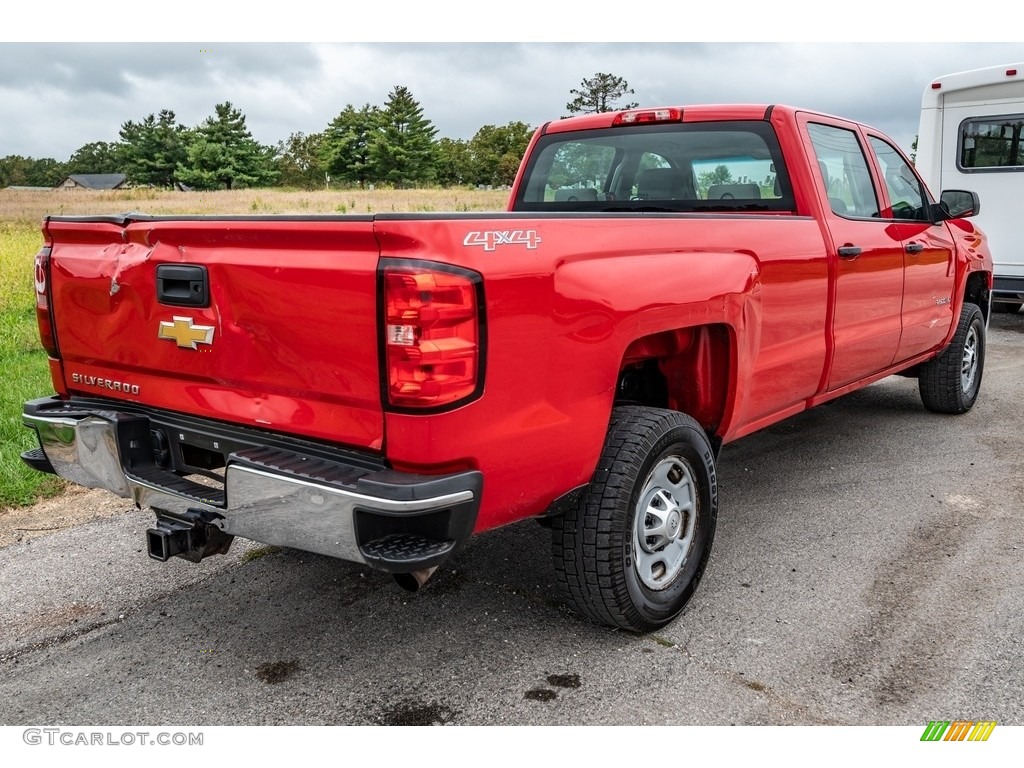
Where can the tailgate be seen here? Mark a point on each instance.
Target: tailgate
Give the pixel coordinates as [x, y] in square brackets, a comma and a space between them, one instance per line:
[264, 322]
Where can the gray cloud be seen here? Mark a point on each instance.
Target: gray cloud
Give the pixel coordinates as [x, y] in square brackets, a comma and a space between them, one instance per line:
[56, 97]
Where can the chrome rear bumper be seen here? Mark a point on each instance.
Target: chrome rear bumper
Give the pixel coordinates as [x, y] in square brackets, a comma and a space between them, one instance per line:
[269, 495]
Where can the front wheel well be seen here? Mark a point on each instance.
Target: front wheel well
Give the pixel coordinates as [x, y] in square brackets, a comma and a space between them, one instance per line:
[976, 292]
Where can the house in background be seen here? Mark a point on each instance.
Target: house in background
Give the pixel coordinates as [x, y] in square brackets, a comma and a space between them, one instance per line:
[93, 181]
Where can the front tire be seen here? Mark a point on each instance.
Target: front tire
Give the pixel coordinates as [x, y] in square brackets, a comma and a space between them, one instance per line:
[633, 551]
[950, 382]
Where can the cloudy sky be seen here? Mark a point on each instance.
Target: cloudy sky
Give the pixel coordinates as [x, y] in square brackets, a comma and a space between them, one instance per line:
[78, 86]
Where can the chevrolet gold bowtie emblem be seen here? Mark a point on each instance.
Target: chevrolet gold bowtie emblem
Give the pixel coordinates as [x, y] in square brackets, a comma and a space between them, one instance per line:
[184, 334]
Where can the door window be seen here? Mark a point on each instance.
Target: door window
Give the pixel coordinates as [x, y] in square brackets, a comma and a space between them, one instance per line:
[844, 171]
[907, 197]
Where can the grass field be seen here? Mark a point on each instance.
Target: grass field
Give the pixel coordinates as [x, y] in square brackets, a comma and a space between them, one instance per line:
[25, 373]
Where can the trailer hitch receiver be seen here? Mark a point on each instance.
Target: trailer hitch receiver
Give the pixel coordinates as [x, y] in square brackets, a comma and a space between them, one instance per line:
[191, 535]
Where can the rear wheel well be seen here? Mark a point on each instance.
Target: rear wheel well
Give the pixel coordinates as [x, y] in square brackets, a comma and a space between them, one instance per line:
[685, 370]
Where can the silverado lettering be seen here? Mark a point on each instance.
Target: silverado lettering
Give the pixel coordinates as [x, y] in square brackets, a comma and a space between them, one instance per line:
[380, 393]
[113, 385]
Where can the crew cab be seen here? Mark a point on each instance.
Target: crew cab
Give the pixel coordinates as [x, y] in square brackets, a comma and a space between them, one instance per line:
[380, 388]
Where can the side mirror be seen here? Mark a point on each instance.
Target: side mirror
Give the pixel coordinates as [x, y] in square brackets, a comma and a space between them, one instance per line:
[959, 203]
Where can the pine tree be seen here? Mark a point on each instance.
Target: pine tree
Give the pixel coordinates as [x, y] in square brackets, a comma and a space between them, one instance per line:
[402, 152]
[152, 150]
[599, 94]
[224, 155]
[346, 144]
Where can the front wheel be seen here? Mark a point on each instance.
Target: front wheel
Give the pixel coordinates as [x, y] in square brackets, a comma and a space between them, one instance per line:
[631, 554]
[950, 382]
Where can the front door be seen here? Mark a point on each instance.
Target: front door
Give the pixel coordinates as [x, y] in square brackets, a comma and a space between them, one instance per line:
[928, 253]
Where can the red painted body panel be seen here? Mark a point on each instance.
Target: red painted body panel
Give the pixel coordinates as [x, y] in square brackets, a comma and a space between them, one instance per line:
[561, 318]
[758, 308]
[293, 307]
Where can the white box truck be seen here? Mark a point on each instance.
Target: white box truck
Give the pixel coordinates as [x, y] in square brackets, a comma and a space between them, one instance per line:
[970, 138]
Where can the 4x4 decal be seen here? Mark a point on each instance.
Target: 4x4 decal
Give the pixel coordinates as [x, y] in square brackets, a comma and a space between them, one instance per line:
[492, 238]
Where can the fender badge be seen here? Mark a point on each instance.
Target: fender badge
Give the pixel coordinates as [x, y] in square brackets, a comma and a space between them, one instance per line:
[183, 333]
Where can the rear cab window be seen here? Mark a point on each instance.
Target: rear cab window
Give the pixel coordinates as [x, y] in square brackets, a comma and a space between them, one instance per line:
[733, 166]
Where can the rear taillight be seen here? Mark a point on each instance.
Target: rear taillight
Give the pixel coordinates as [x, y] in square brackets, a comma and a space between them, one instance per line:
[44, 316]
[432, 334]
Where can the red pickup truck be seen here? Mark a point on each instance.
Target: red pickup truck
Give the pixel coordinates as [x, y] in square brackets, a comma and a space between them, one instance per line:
[379, 388]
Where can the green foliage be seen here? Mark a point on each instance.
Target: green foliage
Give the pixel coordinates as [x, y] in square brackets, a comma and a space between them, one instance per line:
[599, 94]
[26, 373]
[491, 157]
[721, 175]
[496, 152]
[27, 376]
[580, 163]
[18, 171]
[223, 154]
[393, 146]
[152, 151]
[345, 150]
[96, 157]
[453, 166]
[299, 161]
[402, 151]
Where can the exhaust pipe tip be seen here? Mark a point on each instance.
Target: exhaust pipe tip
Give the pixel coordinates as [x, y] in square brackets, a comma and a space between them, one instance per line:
[414, 580]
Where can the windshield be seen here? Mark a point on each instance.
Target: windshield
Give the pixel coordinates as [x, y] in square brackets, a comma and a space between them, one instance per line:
[724, 166]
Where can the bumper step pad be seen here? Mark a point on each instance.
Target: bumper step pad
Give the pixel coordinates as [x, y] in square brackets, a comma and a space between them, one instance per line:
[398, 552]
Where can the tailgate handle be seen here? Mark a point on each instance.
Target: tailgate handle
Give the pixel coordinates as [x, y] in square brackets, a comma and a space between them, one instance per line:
[182, 285]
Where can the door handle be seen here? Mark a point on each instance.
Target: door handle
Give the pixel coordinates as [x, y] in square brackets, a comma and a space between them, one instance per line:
[849, 252]
[182, 285]
[913, 247]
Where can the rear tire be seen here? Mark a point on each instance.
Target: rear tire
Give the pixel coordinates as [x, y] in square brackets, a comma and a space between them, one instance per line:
[950, 382]
[633, 551]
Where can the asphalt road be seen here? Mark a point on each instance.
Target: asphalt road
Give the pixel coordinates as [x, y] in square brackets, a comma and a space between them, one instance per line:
[867, 569]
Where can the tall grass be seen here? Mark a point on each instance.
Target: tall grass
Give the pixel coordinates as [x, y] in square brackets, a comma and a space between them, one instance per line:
[22, 362]
[24, 373]
[32, 205]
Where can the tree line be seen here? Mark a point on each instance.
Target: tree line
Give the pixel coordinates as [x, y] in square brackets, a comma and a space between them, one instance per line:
[394, 145]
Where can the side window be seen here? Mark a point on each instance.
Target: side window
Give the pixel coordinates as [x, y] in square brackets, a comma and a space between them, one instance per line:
[907, 195]
[992, 143]
[844, 171]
